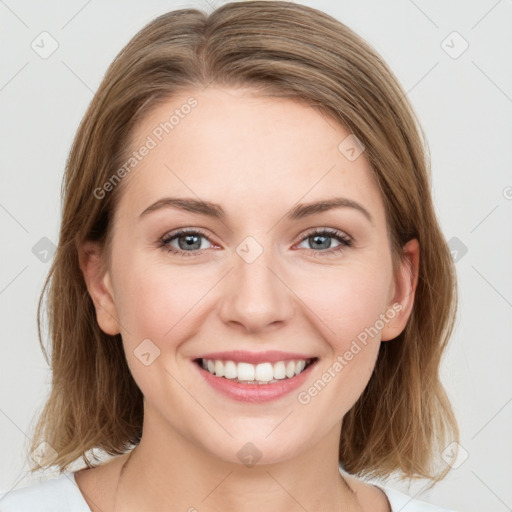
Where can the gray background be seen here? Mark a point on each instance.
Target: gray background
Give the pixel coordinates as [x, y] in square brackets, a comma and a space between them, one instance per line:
[464, 101]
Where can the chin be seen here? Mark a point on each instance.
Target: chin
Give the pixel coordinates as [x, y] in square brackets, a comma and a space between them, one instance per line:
[249, 450]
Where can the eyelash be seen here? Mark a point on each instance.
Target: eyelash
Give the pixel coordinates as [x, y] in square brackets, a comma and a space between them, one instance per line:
[345, 241]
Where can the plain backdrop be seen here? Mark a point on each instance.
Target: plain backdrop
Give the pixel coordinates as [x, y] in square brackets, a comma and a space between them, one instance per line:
[453, 59]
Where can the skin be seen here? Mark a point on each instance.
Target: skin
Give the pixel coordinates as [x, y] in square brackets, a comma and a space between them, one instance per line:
[257, 157]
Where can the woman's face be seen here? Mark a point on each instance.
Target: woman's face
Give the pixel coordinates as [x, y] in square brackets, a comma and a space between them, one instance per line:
[261, 278]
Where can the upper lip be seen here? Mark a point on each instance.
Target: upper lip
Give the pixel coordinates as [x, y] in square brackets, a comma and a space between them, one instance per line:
[242, 356]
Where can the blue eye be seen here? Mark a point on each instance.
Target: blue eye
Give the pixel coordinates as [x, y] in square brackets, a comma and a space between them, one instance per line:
[321, 239]
[190, 241]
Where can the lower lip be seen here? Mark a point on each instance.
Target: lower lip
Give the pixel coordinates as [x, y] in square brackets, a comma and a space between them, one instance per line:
[257, 393]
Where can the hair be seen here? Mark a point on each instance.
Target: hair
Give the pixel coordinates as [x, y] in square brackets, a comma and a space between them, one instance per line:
[403, 418]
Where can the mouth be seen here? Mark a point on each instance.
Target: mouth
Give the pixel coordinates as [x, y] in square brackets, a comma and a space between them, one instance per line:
[262, 373]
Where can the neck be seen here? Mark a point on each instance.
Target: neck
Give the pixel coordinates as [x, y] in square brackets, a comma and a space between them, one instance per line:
[175, 475]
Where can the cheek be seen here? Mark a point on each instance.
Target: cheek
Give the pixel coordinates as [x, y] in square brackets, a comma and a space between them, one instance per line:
[348, 301]
[347, 306]
[159, 301]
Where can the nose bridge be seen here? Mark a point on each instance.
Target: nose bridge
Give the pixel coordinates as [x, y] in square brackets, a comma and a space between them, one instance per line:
[256, 297]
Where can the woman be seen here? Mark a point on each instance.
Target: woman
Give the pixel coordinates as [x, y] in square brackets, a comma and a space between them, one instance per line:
[251, 293]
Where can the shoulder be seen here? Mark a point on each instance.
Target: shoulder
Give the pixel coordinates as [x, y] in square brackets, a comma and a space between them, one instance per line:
[403, 503]
[59, 494]
[369, 491]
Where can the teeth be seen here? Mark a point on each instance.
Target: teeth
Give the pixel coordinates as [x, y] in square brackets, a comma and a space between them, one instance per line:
[219, 369]
[246, 371]
[279, 370]
[230, 370]
[262, 373]
[300, 366]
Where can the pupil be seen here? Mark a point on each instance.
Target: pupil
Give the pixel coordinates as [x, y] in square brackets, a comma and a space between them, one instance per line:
[189, 242]
[326, 239]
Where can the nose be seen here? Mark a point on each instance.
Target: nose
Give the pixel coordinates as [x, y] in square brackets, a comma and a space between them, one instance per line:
[255, 297]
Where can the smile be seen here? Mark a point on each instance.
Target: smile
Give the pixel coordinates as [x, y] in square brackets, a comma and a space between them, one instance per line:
[262, 373]
[255, 377]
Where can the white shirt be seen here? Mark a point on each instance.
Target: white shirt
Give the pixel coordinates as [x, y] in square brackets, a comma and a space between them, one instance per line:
[62, 494]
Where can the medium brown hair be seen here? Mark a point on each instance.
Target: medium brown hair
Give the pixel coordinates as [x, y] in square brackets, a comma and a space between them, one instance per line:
[403, 418]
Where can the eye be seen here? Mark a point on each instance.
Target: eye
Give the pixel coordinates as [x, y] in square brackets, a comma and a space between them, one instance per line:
[321, 240]
[189, 242]
[192, 242]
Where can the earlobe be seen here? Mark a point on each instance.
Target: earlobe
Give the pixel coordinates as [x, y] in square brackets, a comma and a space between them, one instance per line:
[406, 281]
[99, 286]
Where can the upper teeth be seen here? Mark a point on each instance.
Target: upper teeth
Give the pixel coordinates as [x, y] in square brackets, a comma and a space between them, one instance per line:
[259, 373]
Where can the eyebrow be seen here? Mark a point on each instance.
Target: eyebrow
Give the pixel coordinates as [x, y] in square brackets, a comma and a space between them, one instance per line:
[215, 210]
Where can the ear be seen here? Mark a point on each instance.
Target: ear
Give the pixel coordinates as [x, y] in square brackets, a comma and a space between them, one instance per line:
[98, 283]
[406, 280]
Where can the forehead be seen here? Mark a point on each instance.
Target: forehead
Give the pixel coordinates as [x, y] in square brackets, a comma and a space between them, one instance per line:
[246, 151]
